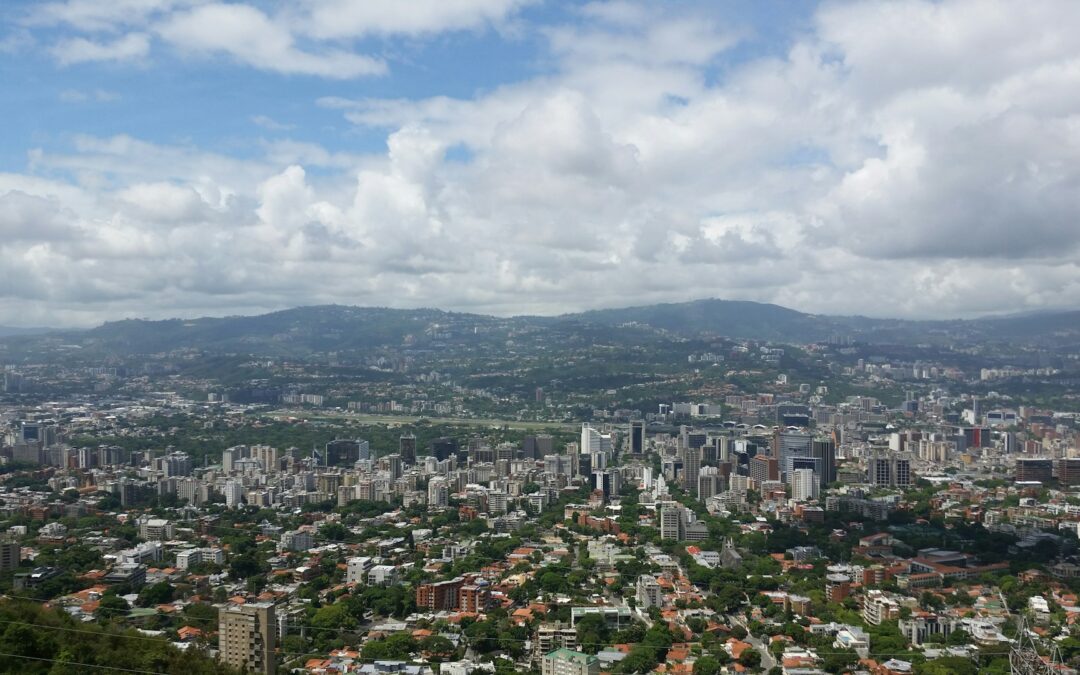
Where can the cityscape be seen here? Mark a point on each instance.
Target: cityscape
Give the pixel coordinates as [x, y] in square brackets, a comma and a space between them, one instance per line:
[445, 502]
[540, 337]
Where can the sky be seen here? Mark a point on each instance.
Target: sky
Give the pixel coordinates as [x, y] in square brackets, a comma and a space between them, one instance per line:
[181, 158]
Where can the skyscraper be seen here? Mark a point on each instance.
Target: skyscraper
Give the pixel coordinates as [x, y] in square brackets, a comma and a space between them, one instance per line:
[407, 448]
[804, 485]
[824, 449]
[246, 637]
[691, 469]
[592, 441]
[637, 437]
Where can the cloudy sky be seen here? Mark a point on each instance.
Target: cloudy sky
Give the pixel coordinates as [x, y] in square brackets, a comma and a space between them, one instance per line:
[187, 157]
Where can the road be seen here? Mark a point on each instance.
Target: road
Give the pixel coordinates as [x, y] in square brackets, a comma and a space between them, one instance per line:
[767, 660]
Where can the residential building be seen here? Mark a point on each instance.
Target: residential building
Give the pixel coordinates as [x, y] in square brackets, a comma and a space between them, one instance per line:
[247, 636]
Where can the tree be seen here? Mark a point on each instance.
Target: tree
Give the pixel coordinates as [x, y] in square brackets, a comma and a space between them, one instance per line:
[707, 665]
[155, 594]
[395, 647]
[950, 665]
[958, 638]
[751, 658]
[111, 605]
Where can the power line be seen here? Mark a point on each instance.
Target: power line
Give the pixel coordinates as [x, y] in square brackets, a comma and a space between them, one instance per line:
[83, 665]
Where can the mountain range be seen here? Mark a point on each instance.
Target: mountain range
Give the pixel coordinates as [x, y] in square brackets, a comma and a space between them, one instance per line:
[337, 327]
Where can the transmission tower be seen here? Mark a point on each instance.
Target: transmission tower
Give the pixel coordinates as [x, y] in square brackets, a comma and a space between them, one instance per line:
[1024, 659]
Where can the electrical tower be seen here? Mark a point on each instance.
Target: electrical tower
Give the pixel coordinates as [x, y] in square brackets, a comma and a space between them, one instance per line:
[1024, 659]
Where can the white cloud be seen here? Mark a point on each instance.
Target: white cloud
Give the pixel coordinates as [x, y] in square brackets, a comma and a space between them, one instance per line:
[270, 124]
[344, 19]
[81, 50]
[901, 158]
[84, 96]
[251, 37]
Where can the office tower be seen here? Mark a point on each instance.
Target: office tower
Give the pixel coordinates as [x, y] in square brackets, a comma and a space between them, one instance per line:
[710, 452]
[392, 464]
[557, 465]
[584, 464]
[609, 481]
[529, 447]
[407, 449]
[593, 442]
[1009, 443]
[763, 468]
[246, 637]
[545, 445]
[1069, 471]
[1034, 469]
[788, 444]
[443, 448]
[889, 469]
[670, 520]
[30, 431]
[824, 450]
[804, 485]
[637, 437]
[724, 448]
[343, 452]
[691, 469]
[710, 482]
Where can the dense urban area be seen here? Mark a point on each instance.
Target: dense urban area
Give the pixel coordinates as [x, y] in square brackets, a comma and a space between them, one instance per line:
[693, 489]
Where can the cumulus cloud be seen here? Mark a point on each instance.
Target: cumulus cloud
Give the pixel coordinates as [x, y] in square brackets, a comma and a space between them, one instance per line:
[905, 158]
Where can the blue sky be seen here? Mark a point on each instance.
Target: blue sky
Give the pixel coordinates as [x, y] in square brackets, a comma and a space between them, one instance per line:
[172, 97]
[185, 157]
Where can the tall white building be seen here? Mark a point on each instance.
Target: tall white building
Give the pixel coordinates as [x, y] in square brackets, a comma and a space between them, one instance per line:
[804, 485]
[234, 494]
[592, 441]
[438, 492]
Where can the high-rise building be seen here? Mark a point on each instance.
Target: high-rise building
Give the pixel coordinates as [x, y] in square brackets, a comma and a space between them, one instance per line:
[1030, 469]
[691, 469]
[438, 492]
[345, 452]
[790, 444]
[824, 450]
[234, 494]
[889, 469]
[637, 437]
[804, 485]
[443, 448]
[609, 481]
[710, 482]
[763, 468]
[407, 449]
[10, 554]
[246, 636]
[593, 442]
[1069, 471]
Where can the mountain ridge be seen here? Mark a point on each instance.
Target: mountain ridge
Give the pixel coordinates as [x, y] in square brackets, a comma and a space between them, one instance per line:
[321, 328]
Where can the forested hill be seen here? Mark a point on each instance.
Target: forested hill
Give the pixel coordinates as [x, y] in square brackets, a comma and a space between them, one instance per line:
[336, 328]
